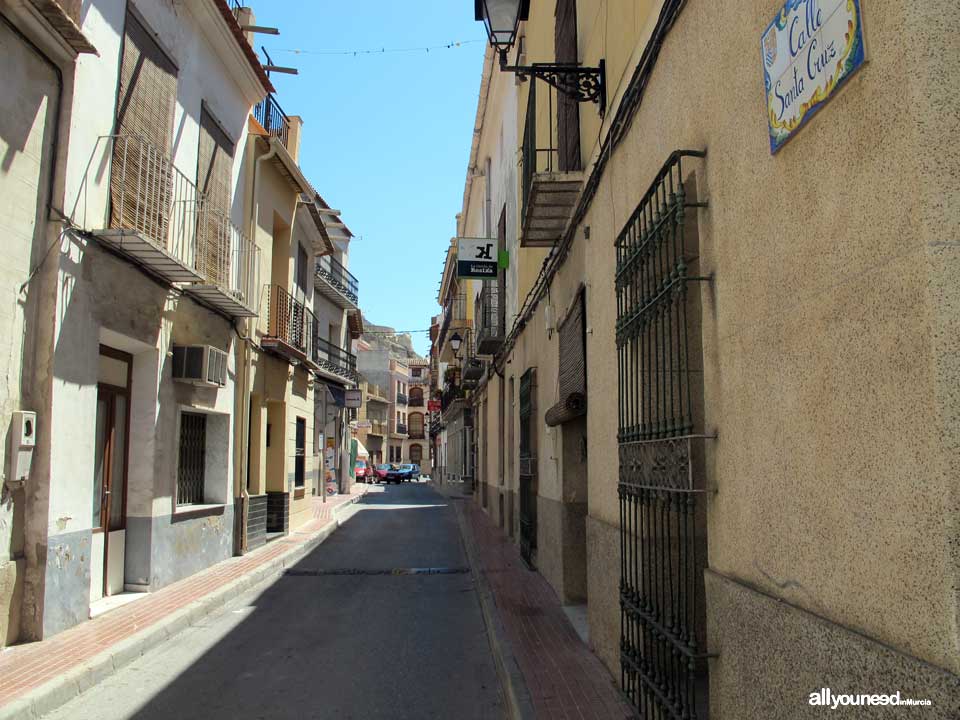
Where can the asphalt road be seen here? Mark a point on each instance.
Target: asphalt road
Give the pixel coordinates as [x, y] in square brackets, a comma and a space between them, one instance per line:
[321, 644]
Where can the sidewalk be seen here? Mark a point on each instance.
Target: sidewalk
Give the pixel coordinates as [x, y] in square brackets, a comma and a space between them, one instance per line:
[36, 678]
[563, 678]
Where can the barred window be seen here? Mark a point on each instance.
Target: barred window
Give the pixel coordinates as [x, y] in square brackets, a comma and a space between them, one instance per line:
[192, 462]
[663, 539]
[300, 455]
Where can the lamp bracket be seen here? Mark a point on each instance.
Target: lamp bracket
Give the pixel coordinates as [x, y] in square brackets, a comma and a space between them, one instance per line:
[583, 84]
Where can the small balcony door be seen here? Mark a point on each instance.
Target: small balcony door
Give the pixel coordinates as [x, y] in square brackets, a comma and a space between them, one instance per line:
[110, 474]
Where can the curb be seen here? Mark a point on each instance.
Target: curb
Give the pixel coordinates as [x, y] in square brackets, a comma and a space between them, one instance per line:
[43, 700]
[517, 695]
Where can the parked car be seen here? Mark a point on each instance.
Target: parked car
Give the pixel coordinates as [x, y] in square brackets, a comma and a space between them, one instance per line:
[416, 473]
[364, 472]
[410, 472]
[395, 474]
[383, 472]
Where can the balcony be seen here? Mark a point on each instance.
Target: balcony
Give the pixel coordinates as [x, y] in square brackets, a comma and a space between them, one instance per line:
[422, 380]
[334, 282]
[332, 360]
[163, 223]
[416, 401]
[416, 434]
[548, 194]
[376, 394]
[378, 427]
[400, 429]
[454, 316]
[402, 398]
[291, 327]
[273, 119]
[451, 394]
[489, 315]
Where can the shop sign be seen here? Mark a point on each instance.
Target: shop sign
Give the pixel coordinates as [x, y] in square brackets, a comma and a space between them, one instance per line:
[809, 51]
[433, 406]
[476, 258]
[364, 424]
[353, 398]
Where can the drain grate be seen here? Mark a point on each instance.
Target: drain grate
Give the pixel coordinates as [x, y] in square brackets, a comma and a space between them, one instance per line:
[378, 571]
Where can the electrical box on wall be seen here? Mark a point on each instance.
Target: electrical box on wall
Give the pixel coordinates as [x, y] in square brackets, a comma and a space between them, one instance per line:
[23, 439]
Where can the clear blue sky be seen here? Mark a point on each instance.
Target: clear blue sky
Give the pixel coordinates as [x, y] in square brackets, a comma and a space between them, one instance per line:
[386, 136]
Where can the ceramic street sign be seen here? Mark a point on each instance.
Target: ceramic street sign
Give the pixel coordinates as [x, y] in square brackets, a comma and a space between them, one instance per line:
[476, 258]
[809, 50]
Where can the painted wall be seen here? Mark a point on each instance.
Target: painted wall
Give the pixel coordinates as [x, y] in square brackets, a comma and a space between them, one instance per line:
[829, 349]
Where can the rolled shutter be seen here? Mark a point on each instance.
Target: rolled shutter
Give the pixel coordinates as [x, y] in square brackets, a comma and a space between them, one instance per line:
[214, 172]
[573, 367]
[141, 182]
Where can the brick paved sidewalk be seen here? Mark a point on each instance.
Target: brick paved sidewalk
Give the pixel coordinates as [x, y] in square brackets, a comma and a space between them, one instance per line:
[564, 678]
[27, 667]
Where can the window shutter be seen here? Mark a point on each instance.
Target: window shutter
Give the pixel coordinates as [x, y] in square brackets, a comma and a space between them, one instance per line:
[141, 181]
[573, 367]
[568, 109]
[214, 172]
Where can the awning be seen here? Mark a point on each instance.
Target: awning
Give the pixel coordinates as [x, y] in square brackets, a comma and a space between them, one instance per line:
[361, 450]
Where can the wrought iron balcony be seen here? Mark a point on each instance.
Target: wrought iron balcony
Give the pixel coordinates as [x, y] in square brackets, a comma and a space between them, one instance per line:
[415, 400]
[490, 321]
[331, 359]
[454, 315]
[273, 119]
[549, 192]
[161, 221]
[422, 380]
[336, 283]
[416, 434]
[451, 394]
[290, 327]
[378, 427]
[401, 428]
[402, 398]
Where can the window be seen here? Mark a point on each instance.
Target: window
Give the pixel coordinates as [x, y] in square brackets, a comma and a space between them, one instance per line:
[416, 372]
[568, 109]
[192, 462]
[301, 270]
[145, 104]
[416, 425]
[300, 455]
[214, 171]
[416, 454]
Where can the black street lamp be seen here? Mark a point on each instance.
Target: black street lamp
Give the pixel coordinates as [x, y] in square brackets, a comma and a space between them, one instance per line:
[455, 344]
[502, 19]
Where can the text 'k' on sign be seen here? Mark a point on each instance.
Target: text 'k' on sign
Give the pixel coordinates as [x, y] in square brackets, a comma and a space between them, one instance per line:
[476, 258]
[809, 51]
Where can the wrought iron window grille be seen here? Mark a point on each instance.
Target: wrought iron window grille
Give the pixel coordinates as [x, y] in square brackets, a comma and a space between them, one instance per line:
[663, 539]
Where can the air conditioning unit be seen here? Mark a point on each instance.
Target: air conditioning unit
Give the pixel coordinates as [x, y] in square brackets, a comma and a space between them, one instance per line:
[200, 365]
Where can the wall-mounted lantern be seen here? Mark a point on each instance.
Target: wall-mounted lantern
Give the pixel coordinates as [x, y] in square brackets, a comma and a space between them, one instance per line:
[502, 19]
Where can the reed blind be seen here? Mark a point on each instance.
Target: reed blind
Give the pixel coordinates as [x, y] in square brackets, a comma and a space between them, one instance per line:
[141, 181]
[214, 171]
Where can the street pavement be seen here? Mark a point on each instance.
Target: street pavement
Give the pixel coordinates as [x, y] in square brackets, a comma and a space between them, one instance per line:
[356, 630]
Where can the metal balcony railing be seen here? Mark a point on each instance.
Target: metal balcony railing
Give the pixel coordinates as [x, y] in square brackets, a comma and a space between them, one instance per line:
[416, 434]
[162, 221]
[377, 427]
[338, 276]
[424, 379]
[402, 398]
[290, 324]
[332, 358]
[273, 119]
[489, 317]
[415, 400]
[450, 394]
[536, 159]
[401, 428]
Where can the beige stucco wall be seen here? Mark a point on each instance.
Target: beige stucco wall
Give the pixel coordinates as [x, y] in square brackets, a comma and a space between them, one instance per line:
[830, 335]
[819, 336]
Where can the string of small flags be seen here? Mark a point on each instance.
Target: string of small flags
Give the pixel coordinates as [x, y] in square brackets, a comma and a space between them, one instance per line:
[380, 51]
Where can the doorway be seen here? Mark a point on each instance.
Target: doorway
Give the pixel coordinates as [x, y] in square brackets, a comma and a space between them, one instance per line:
[110, 473]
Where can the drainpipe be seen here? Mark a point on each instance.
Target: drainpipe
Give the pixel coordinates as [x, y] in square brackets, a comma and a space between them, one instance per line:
[240, 489]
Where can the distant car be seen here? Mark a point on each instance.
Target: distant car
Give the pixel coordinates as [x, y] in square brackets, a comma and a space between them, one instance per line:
[395, 473]
[410, 471]
[364, 472]
[383, 473]
[416, 473]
